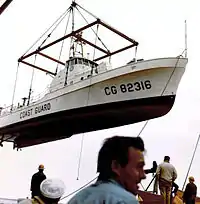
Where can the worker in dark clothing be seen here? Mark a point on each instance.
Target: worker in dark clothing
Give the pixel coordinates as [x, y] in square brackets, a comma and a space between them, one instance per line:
[174, 189]
[36, 180]
[152, 170]
[190, 192]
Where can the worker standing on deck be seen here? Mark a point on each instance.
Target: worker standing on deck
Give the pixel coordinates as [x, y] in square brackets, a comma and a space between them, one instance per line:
[36, 180]
[166, 175]
[190, 192]
[120, 166]
[51, 190]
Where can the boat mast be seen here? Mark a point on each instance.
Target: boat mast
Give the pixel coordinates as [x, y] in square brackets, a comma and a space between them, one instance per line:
[185, 38]
[75, 41]
[72, 7]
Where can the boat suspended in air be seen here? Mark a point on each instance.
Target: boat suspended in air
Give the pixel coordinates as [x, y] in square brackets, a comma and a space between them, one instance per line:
[88, 94]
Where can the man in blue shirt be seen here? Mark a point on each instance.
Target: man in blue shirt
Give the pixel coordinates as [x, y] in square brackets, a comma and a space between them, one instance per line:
[121, 169]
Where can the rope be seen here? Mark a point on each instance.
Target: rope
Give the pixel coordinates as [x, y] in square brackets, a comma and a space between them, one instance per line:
[142, 186]
[53, 29]
[83, 135]
[80, 156]
[171, 75]
[63, 14]
[143, 128]
[15, 84]
[95, 41]
[33, 72]
[93, 29]
[148, 120]
[87, 11]
[191, 162]
[163, 90]
[31, 84]
[138, 136]
[140, 130]
[63, 42]
[79, 188]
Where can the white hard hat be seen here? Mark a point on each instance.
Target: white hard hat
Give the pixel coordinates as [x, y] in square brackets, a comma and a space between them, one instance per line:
[52, 188]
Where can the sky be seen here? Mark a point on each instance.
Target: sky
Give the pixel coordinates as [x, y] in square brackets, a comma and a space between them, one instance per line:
[158, 26]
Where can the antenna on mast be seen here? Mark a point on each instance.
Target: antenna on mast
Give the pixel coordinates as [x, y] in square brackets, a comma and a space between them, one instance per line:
[185, 38]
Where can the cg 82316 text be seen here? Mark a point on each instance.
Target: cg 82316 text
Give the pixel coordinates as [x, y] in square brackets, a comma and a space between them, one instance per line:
[128, 87]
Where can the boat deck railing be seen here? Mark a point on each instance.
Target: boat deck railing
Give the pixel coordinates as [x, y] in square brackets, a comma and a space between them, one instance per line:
[40, 95]
[11, 109]
[49, 89]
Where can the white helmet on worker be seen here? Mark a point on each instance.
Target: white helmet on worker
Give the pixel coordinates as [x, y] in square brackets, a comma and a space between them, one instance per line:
[52, 188]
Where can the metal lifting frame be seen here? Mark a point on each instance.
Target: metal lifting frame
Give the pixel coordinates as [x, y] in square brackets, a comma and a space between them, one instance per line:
[78, 37]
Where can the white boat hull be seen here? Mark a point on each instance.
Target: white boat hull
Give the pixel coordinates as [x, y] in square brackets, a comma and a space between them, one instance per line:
[126, 95]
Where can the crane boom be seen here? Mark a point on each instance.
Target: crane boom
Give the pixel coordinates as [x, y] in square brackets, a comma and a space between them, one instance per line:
[4, 6]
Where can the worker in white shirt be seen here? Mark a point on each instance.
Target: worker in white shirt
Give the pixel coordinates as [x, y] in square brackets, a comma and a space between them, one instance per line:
[166, 175]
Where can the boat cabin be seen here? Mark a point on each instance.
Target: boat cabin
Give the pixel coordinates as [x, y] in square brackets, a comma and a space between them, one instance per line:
[77, 69]
[81, 61]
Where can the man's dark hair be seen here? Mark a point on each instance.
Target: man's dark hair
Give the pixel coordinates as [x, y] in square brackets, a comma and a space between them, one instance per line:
[116, 148]
[166, 158]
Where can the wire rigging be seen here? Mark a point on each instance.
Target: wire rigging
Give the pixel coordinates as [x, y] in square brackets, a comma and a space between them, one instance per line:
[93, 30]
[14, 89]
[31, 84]
[195, 149]
[80, 156]
[170, 77]
[59, 20]
[63, 14]
[49, 35]
[83, 135]
[61, 49]
[79, 188]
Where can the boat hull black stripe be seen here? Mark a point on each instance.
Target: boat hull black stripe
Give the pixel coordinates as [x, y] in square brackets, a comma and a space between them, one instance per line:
[66, 123]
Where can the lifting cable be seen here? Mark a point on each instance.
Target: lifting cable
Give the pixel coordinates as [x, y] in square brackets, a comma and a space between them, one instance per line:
[49, 35]
[93, 30]
[87, 11]
[83, 135]
[79, 188]
[14, 89]
[173, 71]
[31, 84]
[191, 161]
[62, 16]
[80, 156]
[63, 41]
[95, 41]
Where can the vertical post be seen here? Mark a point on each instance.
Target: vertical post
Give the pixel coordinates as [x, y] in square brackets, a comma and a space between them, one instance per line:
[136, 53]
[185, 38]
[67, 70]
